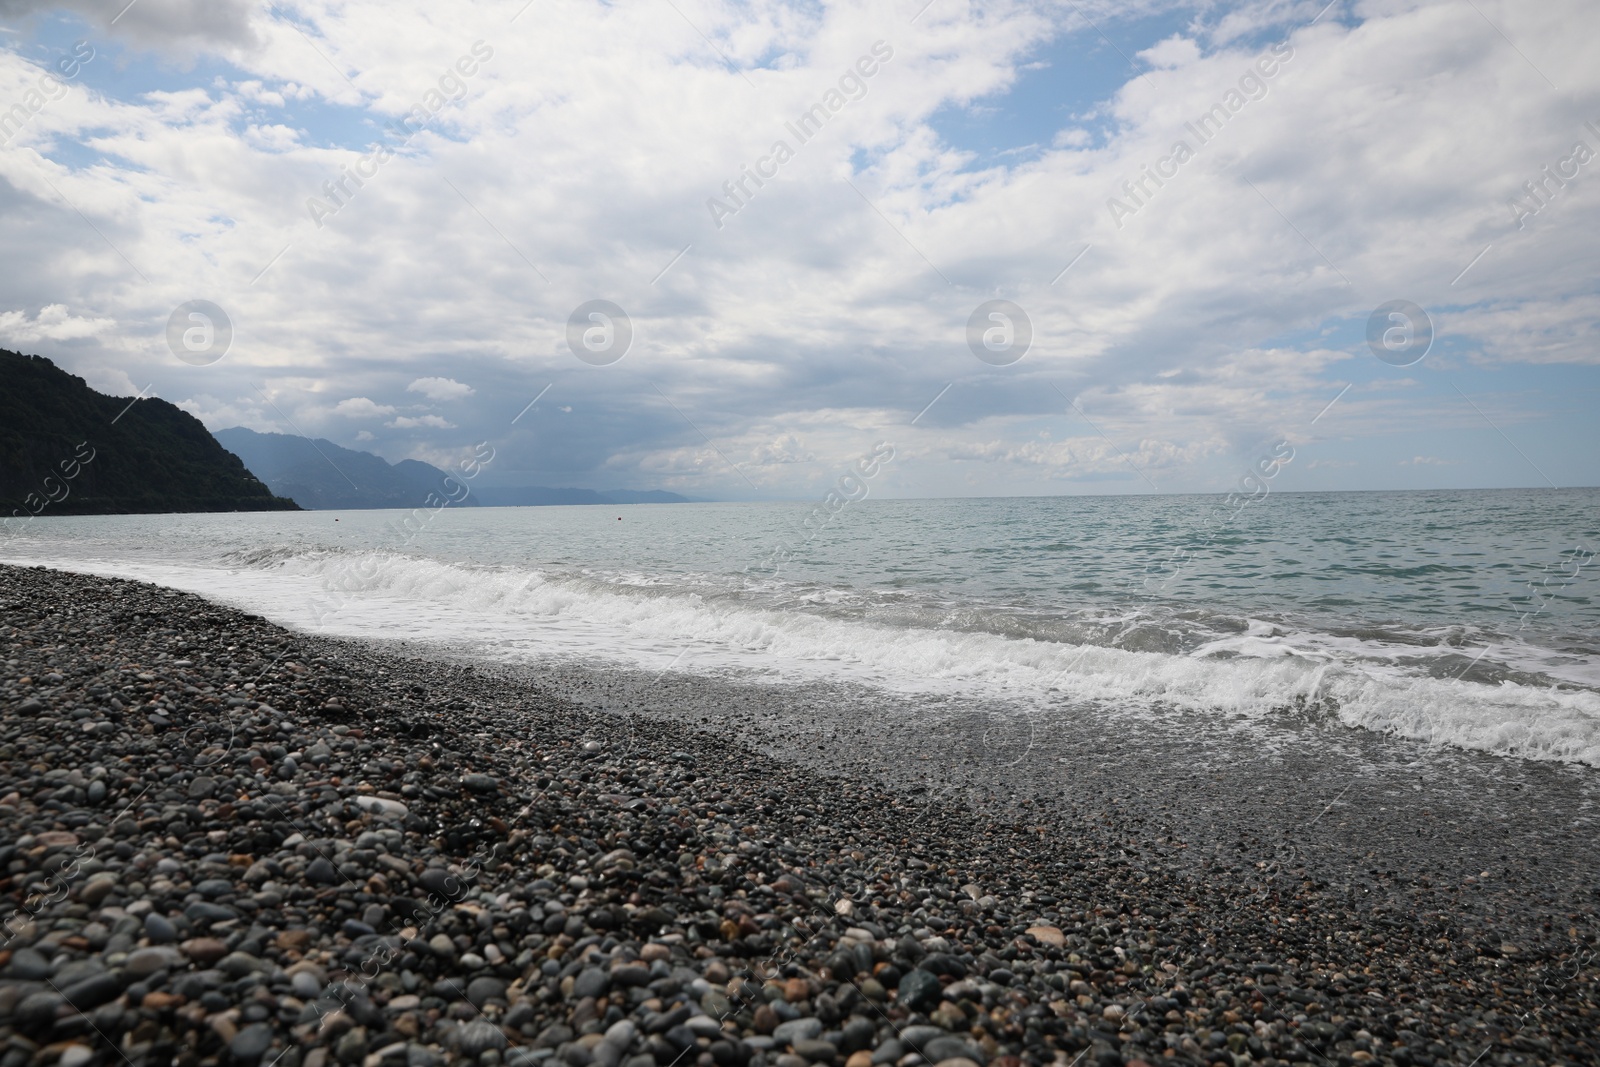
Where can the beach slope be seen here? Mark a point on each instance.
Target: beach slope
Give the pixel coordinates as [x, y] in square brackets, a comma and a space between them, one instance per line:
[221, 841]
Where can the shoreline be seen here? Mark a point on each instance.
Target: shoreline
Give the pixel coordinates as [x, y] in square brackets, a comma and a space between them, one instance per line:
[501, 876]
[1388, 821]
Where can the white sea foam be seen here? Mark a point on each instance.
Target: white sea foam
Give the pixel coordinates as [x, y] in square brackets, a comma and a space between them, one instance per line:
[716, 624]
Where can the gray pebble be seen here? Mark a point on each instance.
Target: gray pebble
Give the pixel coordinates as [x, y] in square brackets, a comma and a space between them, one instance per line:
[159, 929]
[147, 961]
[29, 965]
[251, 1043]
[592, 982]
[798, 1030]
[481, 990]
[478, 1036]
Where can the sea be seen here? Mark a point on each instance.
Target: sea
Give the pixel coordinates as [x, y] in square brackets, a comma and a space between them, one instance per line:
[1466, 620]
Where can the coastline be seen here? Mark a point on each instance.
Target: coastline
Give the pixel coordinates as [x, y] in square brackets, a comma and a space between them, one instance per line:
[380, 859]
[1389, 822]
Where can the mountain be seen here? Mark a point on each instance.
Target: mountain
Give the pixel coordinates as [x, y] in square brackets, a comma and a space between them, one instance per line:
[320, 475]
[643, 496]
[530, 496]
[68, 450]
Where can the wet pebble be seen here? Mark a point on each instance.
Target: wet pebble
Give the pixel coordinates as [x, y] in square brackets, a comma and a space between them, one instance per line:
[371, 860]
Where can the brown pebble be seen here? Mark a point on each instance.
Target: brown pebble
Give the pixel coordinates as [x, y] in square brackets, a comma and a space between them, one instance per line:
[1048, 935]
[204, 949]
[294, 939]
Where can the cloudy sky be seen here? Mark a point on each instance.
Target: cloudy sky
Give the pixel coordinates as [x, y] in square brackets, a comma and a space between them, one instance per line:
[1204, 223]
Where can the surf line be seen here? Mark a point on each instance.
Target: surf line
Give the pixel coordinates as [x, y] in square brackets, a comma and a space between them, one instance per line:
[1254, 483]
[362, 574]
[1580, 558]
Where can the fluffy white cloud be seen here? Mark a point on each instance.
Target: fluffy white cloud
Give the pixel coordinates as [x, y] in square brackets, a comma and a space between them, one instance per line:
[52, 323]
[1224, 305]
[1054, 455]
[113, 381]
[359, 407]
[440, 389]
[1175, 51]
[406, 422]
[221, 414]
[786, 448]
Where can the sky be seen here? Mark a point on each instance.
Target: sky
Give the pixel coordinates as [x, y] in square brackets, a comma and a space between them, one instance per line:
[730, 250]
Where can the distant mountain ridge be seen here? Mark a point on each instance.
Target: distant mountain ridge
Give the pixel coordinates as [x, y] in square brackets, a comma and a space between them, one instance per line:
[320, 475]
[66, 449]
[537, 496]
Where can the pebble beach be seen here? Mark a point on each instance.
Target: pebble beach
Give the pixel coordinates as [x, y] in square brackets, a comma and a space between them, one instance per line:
[225, 842]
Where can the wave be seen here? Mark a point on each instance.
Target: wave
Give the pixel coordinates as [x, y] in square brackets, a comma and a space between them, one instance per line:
[1415, 683]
